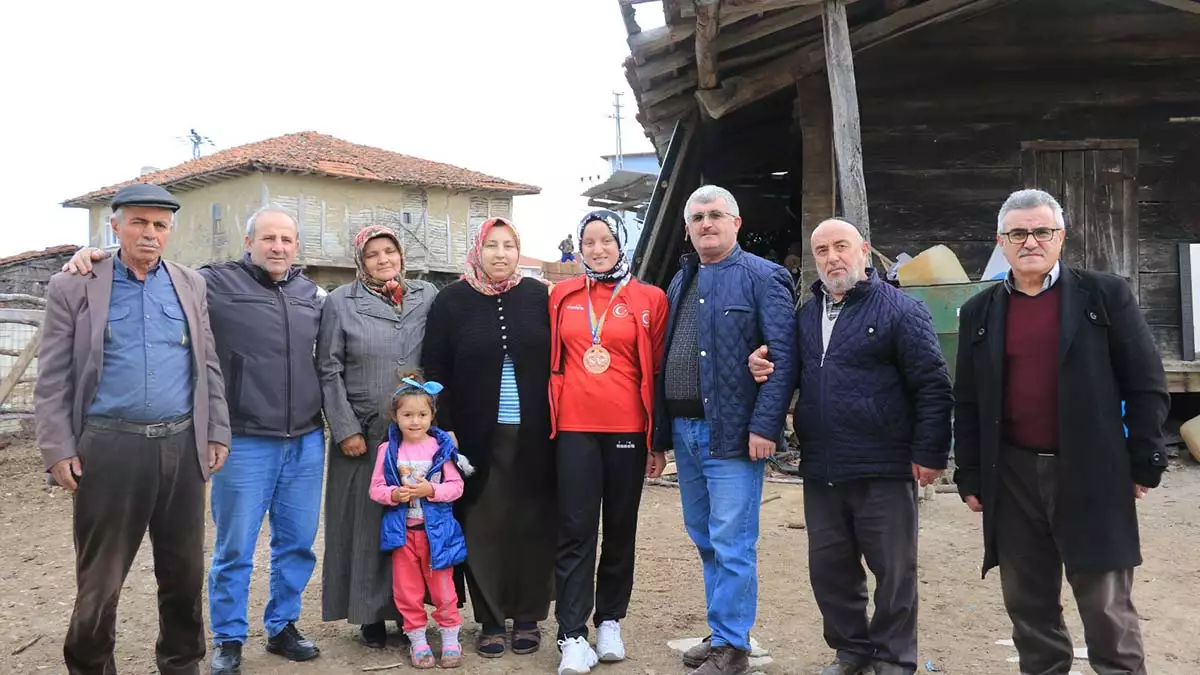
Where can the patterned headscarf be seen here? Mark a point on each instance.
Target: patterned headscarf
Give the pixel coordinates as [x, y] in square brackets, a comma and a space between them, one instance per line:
[617, 228]
[392, 290]
[475, 276]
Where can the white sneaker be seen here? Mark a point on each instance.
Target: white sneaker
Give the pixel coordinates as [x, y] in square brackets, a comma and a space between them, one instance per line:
[609, 643]
[578, 657]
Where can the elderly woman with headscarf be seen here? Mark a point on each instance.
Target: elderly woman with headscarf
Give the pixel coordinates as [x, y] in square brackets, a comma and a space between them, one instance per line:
[488, 343]
[371, 330]
[607, 333]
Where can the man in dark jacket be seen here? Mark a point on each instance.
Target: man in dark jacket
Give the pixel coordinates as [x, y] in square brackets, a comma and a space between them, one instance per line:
[264, 315]
[873, 420]
[1045, 359]
[723, 303]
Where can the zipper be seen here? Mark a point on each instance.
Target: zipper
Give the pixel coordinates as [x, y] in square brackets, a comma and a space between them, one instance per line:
[287, 370]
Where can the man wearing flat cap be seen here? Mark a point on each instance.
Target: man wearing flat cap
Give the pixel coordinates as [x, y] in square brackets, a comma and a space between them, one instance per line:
[131, 417]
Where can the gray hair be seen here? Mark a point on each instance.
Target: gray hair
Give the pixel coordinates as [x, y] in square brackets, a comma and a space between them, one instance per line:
[706, 194]
[119, 214]
[1022, 200]
[271, 208]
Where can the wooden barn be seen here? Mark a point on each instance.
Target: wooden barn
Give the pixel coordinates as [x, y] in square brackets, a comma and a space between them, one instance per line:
[915, 119]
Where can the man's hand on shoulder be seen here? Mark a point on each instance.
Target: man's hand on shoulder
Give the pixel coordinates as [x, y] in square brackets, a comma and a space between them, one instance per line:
[81, 262]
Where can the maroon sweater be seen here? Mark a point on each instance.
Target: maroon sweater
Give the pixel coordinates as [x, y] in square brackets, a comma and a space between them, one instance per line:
[1031, 370]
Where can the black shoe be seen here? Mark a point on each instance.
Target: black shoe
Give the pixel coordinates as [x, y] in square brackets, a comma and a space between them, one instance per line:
[227, 659]
[374, 635]
[293, 646]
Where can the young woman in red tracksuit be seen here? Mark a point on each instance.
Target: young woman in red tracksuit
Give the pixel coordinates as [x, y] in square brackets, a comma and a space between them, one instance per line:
[607, 333]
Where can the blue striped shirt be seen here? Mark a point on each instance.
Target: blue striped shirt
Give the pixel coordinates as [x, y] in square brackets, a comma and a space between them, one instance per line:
[510, 403]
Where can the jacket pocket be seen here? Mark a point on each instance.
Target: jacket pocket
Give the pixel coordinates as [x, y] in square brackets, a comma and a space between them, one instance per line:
[234, 387]
[742, 320]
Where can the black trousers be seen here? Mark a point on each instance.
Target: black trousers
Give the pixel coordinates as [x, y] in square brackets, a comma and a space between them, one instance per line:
[131, 483]
[1031, 573]
[875, 519]
[599, 474]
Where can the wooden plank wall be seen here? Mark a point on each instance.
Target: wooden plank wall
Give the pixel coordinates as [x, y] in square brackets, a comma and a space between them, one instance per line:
[945, 110]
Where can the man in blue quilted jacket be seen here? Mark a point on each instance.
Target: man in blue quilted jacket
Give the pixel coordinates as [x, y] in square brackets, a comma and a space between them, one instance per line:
[873, 420]
[724, 302]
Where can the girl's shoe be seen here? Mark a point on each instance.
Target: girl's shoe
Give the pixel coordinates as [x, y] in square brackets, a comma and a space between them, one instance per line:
[451, 657]
[422, 657]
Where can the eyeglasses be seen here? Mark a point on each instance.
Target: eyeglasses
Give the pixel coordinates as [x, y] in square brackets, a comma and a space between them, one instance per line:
[697, 218]
[1042, 234]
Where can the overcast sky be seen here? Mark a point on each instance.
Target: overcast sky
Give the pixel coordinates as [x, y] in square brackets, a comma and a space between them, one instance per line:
[520, 89]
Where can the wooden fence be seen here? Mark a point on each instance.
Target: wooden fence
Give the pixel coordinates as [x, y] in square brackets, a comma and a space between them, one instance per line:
[20, 337]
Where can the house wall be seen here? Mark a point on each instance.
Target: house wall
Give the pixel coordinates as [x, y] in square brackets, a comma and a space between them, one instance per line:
[433, 223]
[945, 110]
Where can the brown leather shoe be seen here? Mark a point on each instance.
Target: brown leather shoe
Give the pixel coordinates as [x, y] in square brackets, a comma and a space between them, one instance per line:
[696, 656]
[724, 660]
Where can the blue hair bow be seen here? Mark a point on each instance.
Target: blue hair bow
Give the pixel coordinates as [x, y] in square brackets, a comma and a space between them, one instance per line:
[431, 388]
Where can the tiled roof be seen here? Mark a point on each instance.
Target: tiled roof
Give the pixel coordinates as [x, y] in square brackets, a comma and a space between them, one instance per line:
[65, 249]
[313, 153]
[530, 261]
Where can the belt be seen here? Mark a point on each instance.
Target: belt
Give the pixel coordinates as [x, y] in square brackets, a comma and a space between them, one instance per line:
[147, 429]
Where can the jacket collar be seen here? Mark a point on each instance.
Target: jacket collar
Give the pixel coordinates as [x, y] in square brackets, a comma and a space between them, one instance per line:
[691, 261]
[1050, 280]
[260, 275]
[860, 290]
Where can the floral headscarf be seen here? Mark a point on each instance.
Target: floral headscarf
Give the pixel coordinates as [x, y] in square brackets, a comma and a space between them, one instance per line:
[475, 276]
[617, 228]
[392, 290]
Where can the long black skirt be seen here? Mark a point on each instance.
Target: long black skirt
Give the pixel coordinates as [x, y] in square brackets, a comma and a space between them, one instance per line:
[512, 538]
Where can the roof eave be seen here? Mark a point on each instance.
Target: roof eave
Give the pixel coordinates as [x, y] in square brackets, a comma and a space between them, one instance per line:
[198, 181]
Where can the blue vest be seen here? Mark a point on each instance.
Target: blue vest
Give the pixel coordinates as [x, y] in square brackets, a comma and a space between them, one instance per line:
[447, 545]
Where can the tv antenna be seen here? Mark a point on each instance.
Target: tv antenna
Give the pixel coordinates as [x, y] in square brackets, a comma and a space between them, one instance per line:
[617, 116]
[197, 140]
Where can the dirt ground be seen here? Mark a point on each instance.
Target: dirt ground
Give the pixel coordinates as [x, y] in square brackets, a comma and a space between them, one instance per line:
[962, 624]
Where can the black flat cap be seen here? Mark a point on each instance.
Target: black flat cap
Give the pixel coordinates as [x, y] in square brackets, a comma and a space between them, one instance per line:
[144, 194]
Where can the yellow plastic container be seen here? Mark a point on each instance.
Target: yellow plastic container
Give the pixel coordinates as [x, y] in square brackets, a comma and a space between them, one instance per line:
[934, 266]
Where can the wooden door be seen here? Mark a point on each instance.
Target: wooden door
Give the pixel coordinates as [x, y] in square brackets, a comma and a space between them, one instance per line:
[1096, 183]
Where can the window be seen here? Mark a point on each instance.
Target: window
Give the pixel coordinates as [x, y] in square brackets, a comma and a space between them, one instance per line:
[107, 238]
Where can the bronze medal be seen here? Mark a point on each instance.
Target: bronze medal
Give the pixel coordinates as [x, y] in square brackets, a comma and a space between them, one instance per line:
[596, 359]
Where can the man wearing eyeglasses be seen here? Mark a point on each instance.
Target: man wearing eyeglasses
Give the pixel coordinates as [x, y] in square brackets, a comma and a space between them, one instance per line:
[723, 302]
[1045, 360]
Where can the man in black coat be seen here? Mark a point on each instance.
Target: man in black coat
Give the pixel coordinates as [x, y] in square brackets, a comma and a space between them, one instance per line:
[1045, 360]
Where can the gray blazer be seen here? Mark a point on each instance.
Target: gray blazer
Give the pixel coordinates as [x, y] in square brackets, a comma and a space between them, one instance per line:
[71, 358]
[362, 348]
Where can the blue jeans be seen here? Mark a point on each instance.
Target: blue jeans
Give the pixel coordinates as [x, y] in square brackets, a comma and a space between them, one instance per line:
[281, 476]
[720, 509]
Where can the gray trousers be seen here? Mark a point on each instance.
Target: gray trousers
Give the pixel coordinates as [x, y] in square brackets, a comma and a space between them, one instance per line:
[1031, 572]
[875, 519]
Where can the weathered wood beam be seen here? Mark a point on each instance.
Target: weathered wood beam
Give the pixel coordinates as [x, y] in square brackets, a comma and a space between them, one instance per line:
[762, 55]
[707, 25]
[847, 132]
[814, 119]
[629, 16]
[737, 92]
[1182, 5]
[737, 10]
[658, 39]
[727, 40]
[893, 5]
[630, 3]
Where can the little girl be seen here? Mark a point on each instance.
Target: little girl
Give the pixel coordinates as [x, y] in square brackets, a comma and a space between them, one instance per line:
[417, 476]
